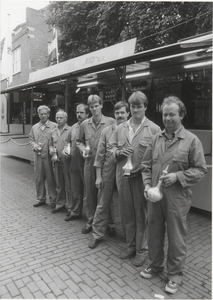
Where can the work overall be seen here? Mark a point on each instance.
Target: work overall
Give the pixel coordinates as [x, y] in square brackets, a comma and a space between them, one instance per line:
[185, 157]
[90, 134]
[133, 205]
[61, 168]
[42, 162]
[104, 214]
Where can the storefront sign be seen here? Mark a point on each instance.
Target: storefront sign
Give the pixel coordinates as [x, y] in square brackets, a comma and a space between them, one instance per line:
[99, 57]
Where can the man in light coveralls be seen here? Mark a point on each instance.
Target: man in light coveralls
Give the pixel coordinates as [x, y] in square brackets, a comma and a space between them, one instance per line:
[61, 167]
[131, 139]
[89, 135]
[105, 178]
[77, 166]
[39, 140]
[183, 152]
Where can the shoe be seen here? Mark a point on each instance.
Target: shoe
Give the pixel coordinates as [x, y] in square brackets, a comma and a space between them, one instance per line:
[93, 243]
[68, 213]
[52, 205]
[54, 210]
[148, 273]
[37, 204]
[138, 260]
[127, 254]
[86, 230]
[171, 287]
[111, 231]
[71, 218]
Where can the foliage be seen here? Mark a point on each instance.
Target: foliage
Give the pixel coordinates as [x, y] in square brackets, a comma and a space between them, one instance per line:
[86, 26]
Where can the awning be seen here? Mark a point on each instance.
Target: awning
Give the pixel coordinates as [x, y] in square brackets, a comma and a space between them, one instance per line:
[111, 57]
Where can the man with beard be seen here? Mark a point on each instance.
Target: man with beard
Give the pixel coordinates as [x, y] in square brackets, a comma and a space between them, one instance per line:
[39, 139]
[77, 166]
[105, 179]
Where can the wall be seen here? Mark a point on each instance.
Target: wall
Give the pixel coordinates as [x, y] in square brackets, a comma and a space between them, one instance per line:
[33, 39]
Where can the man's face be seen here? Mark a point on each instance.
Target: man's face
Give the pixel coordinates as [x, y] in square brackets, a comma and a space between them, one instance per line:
[43, 115]
[60, 118]
[95, 108]
[171, 118]
[81, 114]
[121, 115]
[137, 111]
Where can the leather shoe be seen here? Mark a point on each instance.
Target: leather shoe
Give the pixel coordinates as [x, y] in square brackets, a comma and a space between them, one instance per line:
[127, 254]
[37, 204]
[86, 230]
[54, 210]
[111, 231]
[52, 205]
[68, 213]
[138, 260]
[93, 243]
[71, 218]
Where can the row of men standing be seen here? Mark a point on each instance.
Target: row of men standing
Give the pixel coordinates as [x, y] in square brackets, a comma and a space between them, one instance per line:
[99, 149]
[73, 176]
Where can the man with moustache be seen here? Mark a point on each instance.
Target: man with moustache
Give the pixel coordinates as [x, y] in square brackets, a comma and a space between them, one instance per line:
[183, 152]
[39, 138]
[77, 166]
[131, 139]
[89, 135]
[105, 179]
[61, 164]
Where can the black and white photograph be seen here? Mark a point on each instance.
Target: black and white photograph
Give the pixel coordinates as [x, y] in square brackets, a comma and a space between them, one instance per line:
[106, 149]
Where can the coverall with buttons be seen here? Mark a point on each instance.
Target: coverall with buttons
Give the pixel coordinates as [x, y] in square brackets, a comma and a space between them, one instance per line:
[61, 168]
[90, 134]
[185, 158]
[42, 163]
[133, 205]
[104, 214]
[76, 173]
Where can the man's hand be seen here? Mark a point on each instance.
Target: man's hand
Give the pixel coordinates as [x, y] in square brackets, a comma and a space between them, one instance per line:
[99, 183]
[169, 179]
[120, 154]
[51, 151]
[147, 187]
[137, 170]
[35, 147]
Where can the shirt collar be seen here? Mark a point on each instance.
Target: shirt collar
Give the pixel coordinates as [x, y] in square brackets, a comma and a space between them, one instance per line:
[179, 133]
[45, 124]
[102, 121]
[142, 122]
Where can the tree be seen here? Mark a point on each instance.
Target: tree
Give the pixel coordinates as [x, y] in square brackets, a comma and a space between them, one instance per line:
[86, 26]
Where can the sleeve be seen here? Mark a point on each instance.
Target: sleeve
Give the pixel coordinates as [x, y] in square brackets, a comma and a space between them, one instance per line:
[197, 168]
[80, 139]
[146, 164]
[112, 145]
[32, 138]
[50, 143]
[101, 151]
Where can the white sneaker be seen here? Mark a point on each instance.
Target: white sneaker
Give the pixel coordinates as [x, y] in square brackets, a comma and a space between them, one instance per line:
[171, 287]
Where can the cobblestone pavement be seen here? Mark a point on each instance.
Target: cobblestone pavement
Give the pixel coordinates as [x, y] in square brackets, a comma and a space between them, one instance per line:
[42, 256]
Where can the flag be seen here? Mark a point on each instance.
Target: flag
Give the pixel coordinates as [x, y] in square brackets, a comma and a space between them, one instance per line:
[53, 50]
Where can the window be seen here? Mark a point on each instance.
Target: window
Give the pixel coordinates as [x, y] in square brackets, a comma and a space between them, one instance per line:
[17, 60]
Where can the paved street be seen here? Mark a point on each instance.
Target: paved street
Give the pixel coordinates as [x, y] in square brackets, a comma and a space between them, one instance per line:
[44, 257]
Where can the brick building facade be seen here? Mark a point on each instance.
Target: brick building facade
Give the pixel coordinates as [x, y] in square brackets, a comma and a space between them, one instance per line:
[32, 38]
